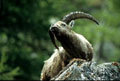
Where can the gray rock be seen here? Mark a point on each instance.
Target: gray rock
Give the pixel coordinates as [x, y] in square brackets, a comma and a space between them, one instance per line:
[83, 70]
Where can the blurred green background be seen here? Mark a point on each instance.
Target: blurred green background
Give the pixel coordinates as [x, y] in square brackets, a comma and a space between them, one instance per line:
[24, 38]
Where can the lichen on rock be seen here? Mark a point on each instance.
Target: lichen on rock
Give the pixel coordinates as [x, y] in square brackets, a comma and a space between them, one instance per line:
[83, 70]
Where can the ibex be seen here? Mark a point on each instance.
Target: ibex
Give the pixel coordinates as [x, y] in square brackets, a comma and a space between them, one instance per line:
[73, 44]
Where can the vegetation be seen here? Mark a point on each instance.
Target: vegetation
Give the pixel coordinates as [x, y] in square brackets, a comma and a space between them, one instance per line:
[24, 39]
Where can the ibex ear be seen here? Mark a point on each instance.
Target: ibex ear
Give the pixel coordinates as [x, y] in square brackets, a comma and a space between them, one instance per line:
[71, 24]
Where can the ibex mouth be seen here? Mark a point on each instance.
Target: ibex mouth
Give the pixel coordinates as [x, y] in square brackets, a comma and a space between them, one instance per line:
[53, 39]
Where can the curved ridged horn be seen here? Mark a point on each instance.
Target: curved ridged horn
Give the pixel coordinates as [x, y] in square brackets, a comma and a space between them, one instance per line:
[78, 15]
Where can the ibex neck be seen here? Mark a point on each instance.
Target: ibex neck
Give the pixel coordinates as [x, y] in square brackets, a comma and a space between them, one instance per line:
[71, 44]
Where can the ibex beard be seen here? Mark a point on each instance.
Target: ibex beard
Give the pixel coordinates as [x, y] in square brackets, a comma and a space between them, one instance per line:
[73, 45]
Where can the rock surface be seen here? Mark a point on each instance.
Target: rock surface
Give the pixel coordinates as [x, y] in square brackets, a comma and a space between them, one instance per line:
[82, 70]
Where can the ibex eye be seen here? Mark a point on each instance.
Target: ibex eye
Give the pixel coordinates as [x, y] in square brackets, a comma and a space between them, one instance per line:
[63, 24]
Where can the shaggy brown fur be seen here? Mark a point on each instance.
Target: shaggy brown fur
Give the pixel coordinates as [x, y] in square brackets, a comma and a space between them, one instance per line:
[60, 58]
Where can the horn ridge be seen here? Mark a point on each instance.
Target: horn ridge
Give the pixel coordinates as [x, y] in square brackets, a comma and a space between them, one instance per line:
[78, 15]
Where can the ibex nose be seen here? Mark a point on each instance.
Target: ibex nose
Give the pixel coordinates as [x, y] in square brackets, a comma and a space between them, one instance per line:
[53, 29]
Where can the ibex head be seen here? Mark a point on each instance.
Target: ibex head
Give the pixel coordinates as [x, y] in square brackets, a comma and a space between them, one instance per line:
[62, 29]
